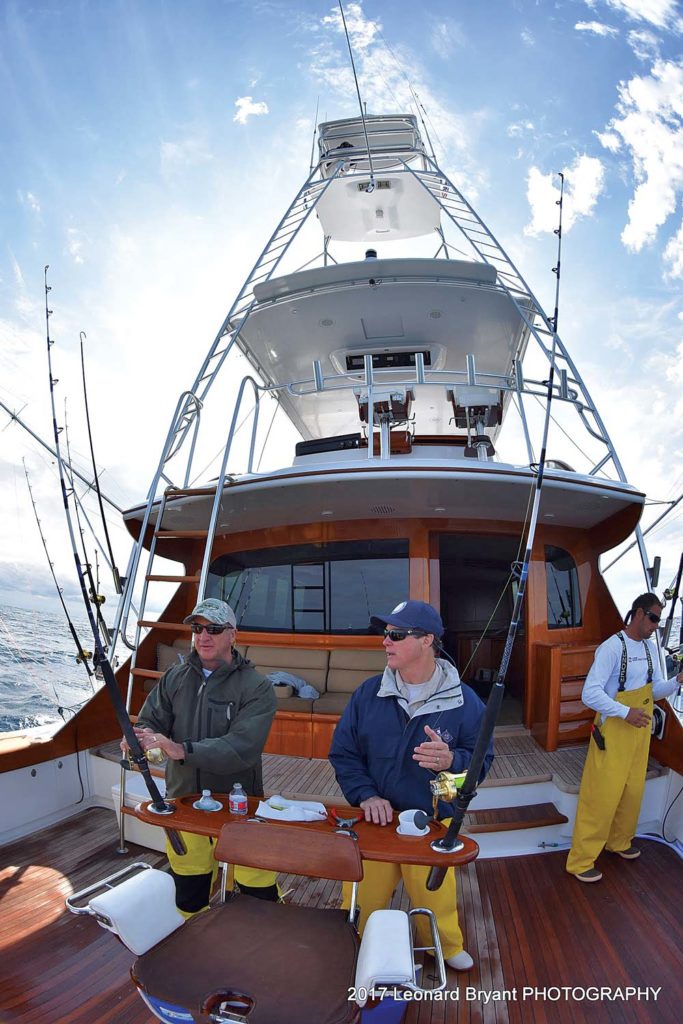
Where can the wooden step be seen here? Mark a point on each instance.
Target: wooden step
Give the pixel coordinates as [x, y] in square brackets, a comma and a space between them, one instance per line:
[574, 711]
[153, 577]
[505, 819]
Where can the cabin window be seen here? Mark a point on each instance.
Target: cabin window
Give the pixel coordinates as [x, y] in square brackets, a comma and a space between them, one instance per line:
[562, 582]
[312, 588]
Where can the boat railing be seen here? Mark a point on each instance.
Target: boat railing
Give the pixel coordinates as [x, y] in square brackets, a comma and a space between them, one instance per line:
[356, 142]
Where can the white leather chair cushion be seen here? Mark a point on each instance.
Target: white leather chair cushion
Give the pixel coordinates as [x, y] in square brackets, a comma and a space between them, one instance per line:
[141, 910]
[386, 952]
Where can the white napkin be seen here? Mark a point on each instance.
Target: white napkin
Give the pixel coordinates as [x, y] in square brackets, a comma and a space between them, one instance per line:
[280, 809]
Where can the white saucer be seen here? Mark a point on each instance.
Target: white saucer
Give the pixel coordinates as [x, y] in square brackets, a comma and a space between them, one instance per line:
[415, 835]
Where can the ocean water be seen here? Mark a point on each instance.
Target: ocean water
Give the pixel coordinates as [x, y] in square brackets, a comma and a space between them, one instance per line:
[38, 669]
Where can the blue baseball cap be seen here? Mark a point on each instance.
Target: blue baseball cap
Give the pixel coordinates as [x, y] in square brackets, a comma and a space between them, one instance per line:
[411, 615]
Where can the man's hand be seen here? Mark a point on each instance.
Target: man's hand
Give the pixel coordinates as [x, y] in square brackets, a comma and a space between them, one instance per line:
[377, 810]
[149, 740]
[435, 754]
[640, 719]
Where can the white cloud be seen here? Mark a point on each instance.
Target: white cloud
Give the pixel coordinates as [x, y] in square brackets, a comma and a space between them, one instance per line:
[527, 37]
[609, 140]
[385, 74]
[673, 254]
[649, 123]
[644, 44]
[74, 245]
[519, 128]
[30, 200]
[246, 108]
[661, 13]
[596, 28]
[584, 180]
[447, 37]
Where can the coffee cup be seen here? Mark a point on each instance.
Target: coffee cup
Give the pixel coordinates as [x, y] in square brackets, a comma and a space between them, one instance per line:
[407, 826]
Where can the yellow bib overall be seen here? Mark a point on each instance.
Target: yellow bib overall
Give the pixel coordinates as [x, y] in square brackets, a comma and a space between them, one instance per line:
[612, 785]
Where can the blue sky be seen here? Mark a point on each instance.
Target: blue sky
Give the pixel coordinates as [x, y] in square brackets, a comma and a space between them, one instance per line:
[147, 149]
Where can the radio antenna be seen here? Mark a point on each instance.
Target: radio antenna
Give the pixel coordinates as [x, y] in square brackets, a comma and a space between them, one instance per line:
[371, 185]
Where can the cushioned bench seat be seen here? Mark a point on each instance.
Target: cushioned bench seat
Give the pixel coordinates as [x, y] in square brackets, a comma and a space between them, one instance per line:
[302, 727]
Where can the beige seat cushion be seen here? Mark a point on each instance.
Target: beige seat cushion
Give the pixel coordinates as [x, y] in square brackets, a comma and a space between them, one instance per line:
[349, 668]
[167, 655]
[305, 663]
[300, 704]
[331, 703]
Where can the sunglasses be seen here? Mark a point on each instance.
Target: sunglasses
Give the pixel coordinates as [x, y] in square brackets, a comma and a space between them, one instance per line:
[396, 635]
[652, 617]
[197, 628]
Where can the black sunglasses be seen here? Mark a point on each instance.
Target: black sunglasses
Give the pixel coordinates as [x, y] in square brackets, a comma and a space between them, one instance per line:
[396, 635]
[652, 617]
[197, 627]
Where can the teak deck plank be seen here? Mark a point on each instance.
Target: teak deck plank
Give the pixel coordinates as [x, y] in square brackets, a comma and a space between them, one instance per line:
[525, 921]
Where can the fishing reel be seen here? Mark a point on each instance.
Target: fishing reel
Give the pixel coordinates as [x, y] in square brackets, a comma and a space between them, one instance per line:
[445, 786]
[83, 657]
[154, 755]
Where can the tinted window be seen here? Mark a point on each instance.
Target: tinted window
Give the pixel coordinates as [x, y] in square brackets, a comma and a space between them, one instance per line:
[562, 581]
[312, 588]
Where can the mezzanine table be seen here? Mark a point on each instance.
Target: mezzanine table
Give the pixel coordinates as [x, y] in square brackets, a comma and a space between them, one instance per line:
[376, 842]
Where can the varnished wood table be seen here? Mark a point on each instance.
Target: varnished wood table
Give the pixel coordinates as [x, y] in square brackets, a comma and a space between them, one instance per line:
[377, 842]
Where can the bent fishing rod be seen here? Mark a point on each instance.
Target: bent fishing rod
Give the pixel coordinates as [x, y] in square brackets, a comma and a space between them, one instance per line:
[83, 657]
[449, 843]
[159, 805]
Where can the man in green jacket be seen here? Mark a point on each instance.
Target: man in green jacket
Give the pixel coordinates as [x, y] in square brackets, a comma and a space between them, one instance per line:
[210, 716]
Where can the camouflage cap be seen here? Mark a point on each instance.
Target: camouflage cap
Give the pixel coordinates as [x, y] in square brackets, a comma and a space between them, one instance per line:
[218, 612]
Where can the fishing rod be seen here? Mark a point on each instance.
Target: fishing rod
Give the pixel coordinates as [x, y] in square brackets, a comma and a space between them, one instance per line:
[95, 597]
[672, 594]
[17, 419]
[159, 805]
[371, 185]
[83, 657]
[95, 476]
[442, 787]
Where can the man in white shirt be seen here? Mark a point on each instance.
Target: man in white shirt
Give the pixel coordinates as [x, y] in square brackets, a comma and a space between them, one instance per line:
[623, 682]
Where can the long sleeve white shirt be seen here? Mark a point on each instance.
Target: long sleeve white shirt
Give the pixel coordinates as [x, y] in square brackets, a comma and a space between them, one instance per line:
[602, 681]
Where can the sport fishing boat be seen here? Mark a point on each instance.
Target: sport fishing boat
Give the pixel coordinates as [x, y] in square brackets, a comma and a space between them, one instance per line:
[388, 325]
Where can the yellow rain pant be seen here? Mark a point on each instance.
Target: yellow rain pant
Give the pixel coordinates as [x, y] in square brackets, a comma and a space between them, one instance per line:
[612, 785]
[376, 888]
[199, 860]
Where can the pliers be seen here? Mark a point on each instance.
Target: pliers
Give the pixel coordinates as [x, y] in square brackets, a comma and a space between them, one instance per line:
[339, 822]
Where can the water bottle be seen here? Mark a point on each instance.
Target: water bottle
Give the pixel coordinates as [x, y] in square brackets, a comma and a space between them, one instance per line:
[237, 800]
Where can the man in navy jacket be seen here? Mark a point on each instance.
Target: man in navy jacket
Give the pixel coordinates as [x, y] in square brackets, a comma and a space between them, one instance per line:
[399, 730]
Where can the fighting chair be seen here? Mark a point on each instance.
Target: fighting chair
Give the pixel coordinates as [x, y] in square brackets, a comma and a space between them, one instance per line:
[248, 960]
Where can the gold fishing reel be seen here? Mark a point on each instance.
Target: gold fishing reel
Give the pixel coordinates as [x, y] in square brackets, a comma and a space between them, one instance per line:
[154, 755]
[446, 785]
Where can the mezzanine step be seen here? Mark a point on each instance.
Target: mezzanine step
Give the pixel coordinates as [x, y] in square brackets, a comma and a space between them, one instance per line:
[506, 819]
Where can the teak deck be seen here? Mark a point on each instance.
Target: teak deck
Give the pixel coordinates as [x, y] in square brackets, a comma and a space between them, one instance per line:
[526, 922]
